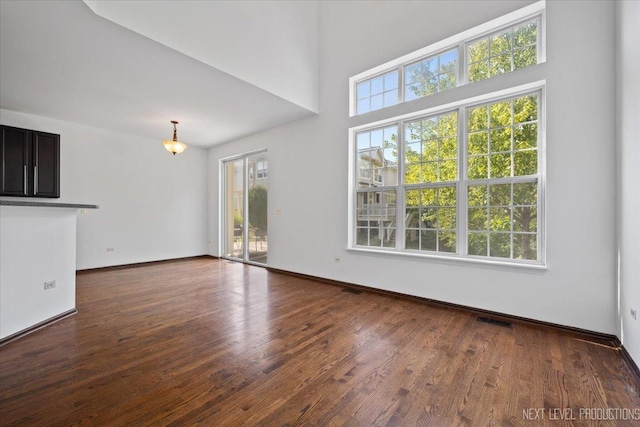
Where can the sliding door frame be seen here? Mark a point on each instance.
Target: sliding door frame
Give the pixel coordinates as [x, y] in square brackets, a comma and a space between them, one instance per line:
[222, 205]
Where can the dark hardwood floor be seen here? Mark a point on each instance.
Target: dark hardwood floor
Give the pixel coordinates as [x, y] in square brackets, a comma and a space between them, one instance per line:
[207, 342]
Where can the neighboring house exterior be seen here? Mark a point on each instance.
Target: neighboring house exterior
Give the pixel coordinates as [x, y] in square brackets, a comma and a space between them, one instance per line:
[377, 209]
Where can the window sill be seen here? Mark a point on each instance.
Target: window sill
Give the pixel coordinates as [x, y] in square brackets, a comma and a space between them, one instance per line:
[455, 259]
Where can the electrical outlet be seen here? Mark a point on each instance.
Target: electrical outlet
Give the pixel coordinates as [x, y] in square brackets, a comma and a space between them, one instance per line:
[49, 285]
[109, 249]
[633, 313]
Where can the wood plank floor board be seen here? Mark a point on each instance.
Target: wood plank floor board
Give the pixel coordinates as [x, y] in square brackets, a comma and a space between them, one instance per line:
[212, 343]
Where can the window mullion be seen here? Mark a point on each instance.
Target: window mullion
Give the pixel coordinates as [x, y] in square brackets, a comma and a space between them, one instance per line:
[540, 43]
[541, 180]
[540, 226]
[511, 208]
[400, 197]
[462, 77]
[461, 191]
[401, 84]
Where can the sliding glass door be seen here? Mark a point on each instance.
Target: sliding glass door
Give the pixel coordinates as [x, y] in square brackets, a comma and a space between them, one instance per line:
[234, 208]
[245, 189]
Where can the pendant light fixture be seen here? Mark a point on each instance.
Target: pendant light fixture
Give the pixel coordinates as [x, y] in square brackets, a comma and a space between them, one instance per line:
[174, 146]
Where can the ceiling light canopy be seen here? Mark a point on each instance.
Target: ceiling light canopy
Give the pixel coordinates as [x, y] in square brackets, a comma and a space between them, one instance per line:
[174, 146]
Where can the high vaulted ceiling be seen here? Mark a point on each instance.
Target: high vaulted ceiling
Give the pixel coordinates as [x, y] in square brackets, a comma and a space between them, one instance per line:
[222, 69]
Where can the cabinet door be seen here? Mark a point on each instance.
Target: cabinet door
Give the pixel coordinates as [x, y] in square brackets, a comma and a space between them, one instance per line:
[46, 164]
[14, 161]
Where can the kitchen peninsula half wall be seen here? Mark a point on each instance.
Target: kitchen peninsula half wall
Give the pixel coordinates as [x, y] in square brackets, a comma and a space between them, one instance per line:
[37, 264]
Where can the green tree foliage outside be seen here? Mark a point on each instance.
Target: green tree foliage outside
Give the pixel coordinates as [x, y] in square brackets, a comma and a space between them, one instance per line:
[503, 143]
[431, 219]
[503, 135]
[502, 218]
[431, 75]
[504, 52]
[258, 209]
[507, 51]
[494, 219]
[431, 151]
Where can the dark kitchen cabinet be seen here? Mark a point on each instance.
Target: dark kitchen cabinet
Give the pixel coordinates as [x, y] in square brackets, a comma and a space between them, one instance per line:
[29, 163]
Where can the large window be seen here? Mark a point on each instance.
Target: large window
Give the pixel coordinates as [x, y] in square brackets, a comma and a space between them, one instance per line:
[503, 180]
[467, 181]
[462, 180]
[502, 46]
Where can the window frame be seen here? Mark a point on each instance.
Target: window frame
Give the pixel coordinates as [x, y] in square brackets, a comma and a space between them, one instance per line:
[462, 182]
[460, 41]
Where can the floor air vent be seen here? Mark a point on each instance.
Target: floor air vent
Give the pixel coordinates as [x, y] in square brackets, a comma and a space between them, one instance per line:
[493, 321]
[352, 291]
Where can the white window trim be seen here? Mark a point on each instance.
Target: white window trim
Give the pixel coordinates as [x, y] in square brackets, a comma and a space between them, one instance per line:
[460, 41]
[539, 264]
[453, 258]
[221, 193]
[480, 99]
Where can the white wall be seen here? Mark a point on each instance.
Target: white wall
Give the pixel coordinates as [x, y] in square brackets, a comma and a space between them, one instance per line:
[308, 164]
[153, 205]
[628, 19]
[38, 245]
[272, 45]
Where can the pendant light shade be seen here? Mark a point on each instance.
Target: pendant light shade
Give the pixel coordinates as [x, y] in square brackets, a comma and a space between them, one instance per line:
[174, 146]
